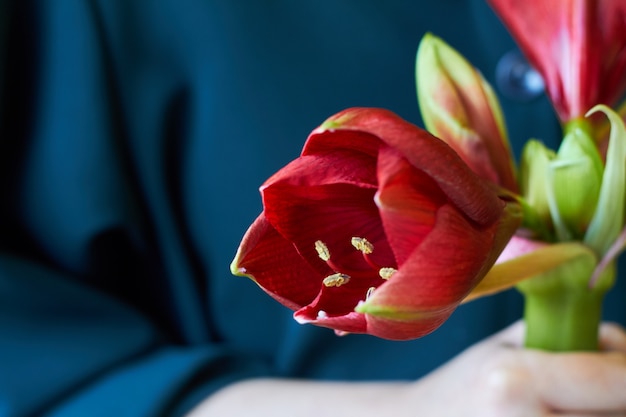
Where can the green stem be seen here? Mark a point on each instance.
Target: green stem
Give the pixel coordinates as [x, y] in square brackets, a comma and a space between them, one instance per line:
[561, 311]
[563, 321]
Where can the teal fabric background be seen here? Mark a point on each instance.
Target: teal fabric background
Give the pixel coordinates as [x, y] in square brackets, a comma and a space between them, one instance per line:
[134, 136]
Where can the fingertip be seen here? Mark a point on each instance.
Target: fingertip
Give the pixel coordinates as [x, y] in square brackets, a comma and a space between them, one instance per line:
[612, 337]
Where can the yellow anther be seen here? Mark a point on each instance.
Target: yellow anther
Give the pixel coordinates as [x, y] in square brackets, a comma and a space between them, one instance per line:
[322, 250]
[363, 245]
[369, 293]
[386, 273]
[336, 280]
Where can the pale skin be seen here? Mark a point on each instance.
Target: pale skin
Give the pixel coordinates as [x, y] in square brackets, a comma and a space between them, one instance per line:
[493, 378]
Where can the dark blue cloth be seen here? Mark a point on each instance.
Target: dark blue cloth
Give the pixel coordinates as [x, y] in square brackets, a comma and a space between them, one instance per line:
[134, 136]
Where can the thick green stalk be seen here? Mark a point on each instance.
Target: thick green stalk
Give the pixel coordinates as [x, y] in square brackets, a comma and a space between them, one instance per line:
[563, 322]
[561, 312]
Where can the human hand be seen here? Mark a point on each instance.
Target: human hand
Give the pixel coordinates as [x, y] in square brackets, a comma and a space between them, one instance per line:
[493, 378]
[497, 377]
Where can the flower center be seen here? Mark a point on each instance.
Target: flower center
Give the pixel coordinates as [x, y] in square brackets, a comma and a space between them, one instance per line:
[343, 275]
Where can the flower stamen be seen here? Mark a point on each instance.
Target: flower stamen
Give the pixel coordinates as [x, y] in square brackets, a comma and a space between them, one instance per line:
[322, 250]
[336, 280]
[341, 278]
[363, 245]
[386, 273]
[366, 248]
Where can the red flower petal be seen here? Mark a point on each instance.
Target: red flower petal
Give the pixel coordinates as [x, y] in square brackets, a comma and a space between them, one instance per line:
[472, 195]
[320, 203]
[273, 263]
[408, 201]
[338, 167]
[579, 47]
[327, 139]
[442, 270]
[396, 329]
[350, 323]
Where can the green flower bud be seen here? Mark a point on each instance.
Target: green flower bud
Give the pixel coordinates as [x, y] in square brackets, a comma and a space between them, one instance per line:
[459, 107]
[576, 177]
[534, 187]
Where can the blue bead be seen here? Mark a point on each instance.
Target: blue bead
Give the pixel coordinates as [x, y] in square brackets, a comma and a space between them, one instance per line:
[516, 79]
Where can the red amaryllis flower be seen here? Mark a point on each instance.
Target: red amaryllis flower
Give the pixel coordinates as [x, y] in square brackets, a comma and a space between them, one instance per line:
[378, 227]
[579, 47]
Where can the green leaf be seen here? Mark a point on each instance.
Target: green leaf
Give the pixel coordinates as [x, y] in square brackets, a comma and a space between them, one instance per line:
[608, 219]
[546, 258]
